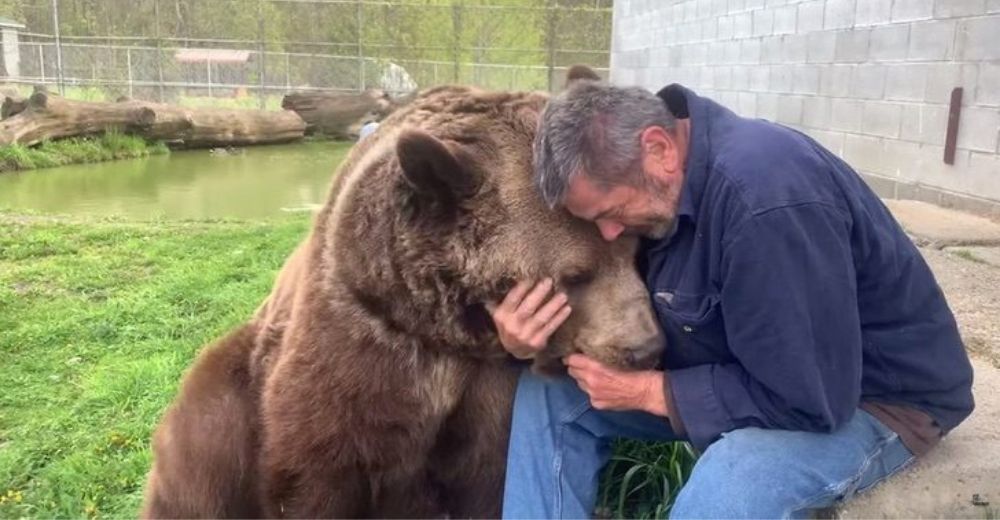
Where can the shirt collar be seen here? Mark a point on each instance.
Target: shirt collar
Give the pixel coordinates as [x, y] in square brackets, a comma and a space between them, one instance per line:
[683, 103]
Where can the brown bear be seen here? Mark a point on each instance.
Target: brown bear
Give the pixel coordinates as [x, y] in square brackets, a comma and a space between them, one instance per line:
[371, 383]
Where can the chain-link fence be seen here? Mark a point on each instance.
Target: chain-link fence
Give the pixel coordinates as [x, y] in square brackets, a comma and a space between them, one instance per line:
[251, 52]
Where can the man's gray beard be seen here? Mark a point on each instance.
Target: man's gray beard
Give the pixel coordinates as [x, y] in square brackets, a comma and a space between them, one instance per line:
[661, 231]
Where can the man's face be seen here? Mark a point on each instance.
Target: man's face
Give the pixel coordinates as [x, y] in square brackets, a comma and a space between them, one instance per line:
[646, 208]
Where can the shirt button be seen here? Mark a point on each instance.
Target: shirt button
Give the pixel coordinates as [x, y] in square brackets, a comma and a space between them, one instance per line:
[687, 328]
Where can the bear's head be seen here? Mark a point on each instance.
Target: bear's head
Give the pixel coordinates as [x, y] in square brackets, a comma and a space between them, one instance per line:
[437, 214]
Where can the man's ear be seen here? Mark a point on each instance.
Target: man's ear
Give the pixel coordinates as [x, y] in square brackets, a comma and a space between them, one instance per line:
[436, 180]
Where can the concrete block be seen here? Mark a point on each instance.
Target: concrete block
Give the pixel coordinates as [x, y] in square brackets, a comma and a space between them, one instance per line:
[832, 141]
[740, 78]
[709, 29]
[742, 25]
[690, 11]
[845, 115]
[943, 77]
[889, 42]
[750, 51]
[694, 54]
[872, 12]
[820, 46]
[898, 157]
[722, 77]
[865, 153]
[835, 80]
[906, 82]
[770, 50]
[957, 8]
[785, 19]
[767, 106]
[838, 14]
[881, 119]
[717, 52]
[868, 81]
[790, 110]
[760, 78]
[988, 89]
[763, 22]
[747, 105]
[978, 38]
[704, 9]
[706, 78]
[924, 124]
[719, 8]
[932, 41]
[910, 10]
[810, 16]
[725, 30]
[983, 171]
[979, 129]
[993, 6]
[794, 48]
[852, 46]
[805, 79]
[782, 78]
[816, 112]
[732, 50]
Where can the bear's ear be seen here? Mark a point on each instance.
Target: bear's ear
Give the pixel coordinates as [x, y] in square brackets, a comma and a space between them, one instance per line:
[581, 72]
[433, 173]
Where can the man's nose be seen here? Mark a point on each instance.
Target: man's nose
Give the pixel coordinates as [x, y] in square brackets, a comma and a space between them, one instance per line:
[610, 230]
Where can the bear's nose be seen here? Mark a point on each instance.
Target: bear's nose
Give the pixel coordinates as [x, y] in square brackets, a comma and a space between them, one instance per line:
[646, 355]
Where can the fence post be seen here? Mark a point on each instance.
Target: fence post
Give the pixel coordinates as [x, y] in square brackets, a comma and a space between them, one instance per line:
[59, 64]
[361, 55]
[128, 63]
[456, 25]
[550, 37]
[41, 60]
[159, 50]
[261, 66]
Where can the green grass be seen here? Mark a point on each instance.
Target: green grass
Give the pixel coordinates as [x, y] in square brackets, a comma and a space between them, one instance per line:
[98, 321]
[77, 150]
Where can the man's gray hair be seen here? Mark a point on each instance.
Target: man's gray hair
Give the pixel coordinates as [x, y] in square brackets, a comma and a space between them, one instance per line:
[594, 129]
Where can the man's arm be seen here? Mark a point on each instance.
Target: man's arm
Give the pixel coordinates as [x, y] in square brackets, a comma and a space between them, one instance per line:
[789, 303]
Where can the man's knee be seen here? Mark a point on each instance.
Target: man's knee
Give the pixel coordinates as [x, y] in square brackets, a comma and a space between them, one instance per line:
[746, 474]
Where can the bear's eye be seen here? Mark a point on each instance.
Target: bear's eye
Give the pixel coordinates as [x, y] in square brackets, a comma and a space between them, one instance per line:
[577, 279]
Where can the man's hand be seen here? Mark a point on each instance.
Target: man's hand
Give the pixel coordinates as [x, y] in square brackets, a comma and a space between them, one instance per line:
[527, 316]
[612, 389]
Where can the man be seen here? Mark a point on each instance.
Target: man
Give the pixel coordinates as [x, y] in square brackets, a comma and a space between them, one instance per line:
[810, 353]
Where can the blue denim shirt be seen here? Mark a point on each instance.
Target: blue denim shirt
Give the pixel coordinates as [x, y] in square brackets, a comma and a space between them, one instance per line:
[788, 293]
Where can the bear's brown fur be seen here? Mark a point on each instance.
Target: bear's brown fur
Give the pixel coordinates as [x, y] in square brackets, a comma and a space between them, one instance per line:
[371, 382]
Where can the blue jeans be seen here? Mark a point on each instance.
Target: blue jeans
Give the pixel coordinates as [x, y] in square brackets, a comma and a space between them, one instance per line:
[559, 444]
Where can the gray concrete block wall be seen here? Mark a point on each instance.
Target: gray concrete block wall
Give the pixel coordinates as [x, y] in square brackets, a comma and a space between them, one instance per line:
[868, 79]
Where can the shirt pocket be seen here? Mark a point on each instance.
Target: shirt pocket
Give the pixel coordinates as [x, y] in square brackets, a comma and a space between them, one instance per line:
[695, 329]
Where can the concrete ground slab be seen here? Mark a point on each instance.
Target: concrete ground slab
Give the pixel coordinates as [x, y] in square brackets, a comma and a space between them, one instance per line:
[939, 227]
[986, 255]
[960, 478]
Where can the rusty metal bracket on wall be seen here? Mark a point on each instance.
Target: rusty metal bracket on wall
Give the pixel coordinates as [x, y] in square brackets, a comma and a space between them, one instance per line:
[951, 137]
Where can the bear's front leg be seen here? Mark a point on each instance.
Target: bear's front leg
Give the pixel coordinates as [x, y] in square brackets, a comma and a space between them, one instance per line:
[345, 439]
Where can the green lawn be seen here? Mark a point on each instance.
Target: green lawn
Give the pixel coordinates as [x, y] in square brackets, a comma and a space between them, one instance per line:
[99, 319]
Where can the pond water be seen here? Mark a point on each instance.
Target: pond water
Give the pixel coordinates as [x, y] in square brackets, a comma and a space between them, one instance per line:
[253, 182]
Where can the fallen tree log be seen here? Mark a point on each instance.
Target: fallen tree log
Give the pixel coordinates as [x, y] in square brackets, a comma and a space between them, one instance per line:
[338, 114]
[49, 116]
[211, 127]
[13, 102]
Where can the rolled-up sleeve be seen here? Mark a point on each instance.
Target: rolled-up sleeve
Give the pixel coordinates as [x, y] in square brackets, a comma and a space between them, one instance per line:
[788, 298]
